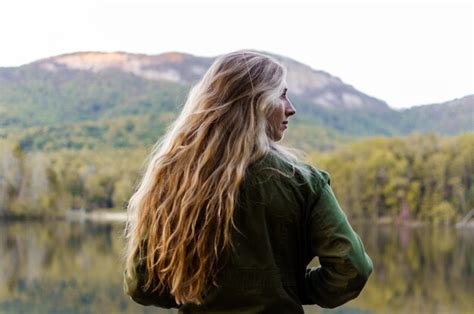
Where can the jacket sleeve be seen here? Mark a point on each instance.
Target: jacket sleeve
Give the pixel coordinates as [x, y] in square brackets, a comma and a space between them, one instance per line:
[345, 266]
[133, 286]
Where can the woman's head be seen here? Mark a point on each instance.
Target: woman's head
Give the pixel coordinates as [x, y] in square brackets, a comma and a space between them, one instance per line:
[181, 214]
[245, 91]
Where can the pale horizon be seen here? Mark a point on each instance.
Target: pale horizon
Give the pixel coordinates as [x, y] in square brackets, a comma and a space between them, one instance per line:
[406, 54]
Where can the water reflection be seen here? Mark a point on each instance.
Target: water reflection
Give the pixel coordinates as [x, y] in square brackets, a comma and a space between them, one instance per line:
[77, 268]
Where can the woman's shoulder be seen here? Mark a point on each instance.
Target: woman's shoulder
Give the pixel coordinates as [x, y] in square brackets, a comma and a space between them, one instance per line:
[299, 170]
[316, 177]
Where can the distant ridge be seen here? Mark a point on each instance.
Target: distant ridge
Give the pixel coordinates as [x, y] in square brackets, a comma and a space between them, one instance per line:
[81, 87]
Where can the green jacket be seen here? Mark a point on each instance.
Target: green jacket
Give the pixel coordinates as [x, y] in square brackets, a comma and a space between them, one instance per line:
[285, 221]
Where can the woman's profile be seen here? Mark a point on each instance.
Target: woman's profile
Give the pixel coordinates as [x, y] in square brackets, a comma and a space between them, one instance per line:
[225, 220]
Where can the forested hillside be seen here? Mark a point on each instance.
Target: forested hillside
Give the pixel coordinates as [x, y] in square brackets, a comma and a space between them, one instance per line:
[75, 130]
[73, 91]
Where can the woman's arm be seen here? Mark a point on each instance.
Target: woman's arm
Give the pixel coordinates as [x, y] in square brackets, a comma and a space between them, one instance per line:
[345, 266]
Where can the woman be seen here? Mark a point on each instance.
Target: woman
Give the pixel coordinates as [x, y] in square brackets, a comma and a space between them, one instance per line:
[225, 220]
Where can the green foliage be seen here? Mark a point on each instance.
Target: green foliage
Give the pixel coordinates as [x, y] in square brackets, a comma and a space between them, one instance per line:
[354, 122]
[31, 96]
[120, 132]
[443, 212]
[307, 136]
[421, 176]
[425, 177]
[33, 184]
[448, 118]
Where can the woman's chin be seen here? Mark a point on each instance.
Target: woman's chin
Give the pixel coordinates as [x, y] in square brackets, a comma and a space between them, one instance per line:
[277, 137]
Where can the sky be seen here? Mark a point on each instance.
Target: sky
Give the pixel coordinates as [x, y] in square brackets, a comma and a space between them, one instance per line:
[406, 53]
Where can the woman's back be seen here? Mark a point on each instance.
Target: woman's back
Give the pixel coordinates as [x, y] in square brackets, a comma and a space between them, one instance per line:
[226, 220]
[284, 217]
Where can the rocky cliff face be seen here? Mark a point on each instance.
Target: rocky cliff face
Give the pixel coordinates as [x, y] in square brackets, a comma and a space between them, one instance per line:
[316, 88]
[174, 67]
[320, 88]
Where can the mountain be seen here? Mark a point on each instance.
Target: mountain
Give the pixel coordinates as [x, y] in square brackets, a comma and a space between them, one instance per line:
[93, 96]
[451, 117]
[316, 87]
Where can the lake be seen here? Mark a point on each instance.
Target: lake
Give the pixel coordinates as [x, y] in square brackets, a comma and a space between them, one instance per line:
[76, 267]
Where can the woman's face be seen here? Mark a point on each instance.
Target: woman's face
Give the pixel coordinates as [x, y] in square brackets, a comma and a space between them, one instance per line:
[279, 117]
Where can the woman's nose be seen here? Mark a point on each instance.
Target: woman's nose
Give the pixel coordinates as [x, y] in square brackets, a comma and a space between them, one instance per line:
[290, 109]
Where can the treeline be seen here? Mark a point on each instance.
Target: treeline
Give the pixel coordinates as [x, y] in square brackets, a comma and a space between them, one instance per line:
[121, 132]
[135, 131]
[423, 177]
[48, 184]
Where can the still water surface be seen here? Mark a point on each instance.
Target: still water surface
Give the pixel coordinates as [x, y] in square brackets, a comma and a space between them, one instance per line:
[64, 267]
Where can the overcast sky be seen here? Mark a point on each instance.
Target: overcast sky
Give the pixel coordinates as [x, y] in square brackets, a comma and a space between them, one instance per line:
[405, 53]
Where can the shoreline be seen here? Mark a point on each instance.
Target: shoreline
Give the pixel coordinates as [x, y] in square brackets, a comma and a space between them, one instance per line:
[81, 215]
[98, 215]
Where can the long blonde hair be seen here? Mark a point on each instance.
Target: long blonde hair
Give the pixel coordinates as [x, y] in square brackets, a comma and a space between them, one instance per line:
[181, 214]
